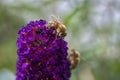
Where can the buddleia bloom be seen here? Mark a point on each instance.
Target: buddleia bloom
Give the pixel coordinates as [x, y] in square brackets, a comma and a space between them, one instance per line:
[42, 54]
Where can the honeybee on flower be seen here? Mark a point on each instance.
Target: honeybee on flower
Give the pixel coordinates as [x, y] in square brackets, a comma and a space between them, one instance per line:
[59, 27]
[74, 57]
[40, 52]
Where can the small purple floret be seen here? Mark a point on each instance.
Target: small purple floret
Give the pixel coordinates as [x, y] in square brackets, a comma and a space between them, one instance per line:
[41, 54]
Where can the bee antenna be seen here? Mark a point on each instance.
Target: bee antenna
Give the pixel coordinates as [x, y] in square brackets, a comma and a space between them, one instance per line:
[53, 17]
[59, 18]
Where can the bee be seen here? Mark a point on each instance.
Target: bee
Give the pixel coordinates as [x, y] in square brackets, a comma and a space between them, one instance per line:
[74, 57]
[59, 27]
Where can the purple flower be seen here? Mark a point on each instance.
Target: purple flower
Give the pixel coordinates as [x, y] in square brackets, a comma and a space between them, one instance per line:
[41, 54]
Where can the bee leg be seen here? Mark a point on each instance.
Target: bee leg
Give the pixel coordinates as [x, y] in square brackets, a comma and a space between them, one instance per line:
[57, 34]
[63, 35]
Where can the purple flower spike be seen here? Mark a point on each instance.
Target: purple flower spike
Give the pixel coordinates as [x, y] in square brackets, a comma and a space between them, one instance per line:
[41, 54]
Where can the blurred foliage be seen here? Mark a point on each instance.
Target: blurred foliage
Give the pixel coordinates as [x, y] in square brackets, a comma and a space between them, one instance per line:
[9, 25]
[92, 28]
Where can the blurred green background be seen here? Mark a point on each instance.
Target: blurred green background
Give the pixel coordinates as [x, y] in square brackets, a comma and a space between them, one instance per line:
[93, 28]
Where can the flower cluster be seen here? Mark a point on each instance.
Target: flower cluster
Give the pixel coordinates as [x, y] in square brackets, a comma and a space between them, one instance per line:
[42, 55]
